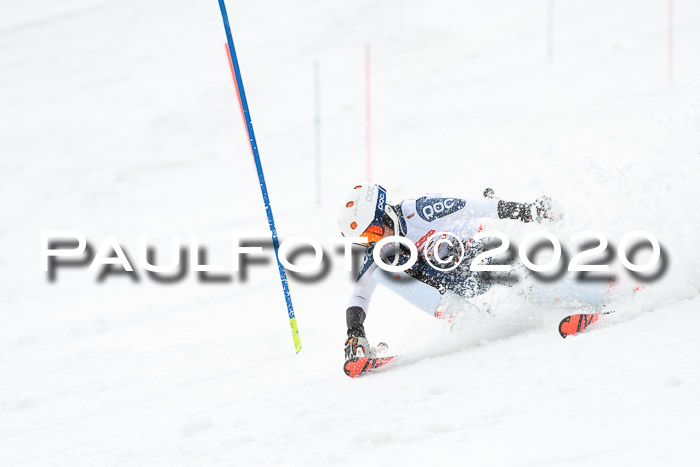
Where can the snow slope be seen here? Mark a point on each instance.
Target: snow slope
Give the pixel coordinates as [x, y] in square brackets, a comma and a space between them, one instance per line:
[120, 119]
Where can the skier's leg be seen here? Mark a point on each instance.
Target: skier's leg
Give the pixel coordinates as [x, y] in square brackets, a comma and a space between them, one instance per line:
[457, 287]
[450, 305]
[416, 292]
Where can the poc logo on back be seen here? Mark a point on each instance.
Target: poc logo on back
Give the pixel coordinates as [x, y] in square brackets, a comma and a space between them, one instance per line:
[430, 210]
[370, 194]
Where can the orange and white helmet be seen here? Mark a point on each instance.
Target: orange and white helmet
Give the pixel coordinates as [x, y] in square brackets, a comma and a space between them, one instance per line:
[364, 213]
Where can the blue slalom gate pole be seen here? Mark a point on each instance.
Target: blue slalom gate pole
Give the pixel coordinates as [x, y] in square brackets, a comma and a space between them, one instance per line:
[263, 187]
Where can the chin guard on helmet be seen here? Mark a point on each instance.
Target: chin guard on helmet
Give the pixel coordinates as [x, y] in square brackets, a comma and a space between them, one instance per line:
[391, 219]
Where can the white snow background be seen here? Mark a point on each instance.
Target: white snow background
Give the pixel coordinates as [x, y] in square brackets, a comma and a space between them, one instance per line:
[119, 118]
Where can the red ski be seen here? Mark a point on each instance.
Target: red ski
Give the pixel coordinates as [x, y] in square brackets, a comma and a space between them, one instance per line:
[570, 325]
[573, 324]
[361, 365]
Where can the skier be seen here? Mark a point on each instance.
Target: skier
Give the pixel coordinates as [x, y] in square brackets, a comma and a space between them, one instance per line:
[367, 215]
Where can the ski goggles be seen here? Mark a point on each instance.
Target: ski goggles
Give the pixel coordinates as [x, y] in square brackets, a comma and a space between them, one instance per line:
[373, 233]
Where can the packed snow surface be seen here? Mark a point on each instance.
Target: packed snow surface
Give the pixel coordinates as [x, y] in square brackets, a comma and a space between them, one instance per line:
[119, 118]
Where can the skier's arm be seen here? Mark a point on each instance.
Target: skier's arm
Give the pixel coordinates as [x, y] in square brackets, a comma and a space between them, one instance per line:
[497, 208]
[431, 208]
[524, 212]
